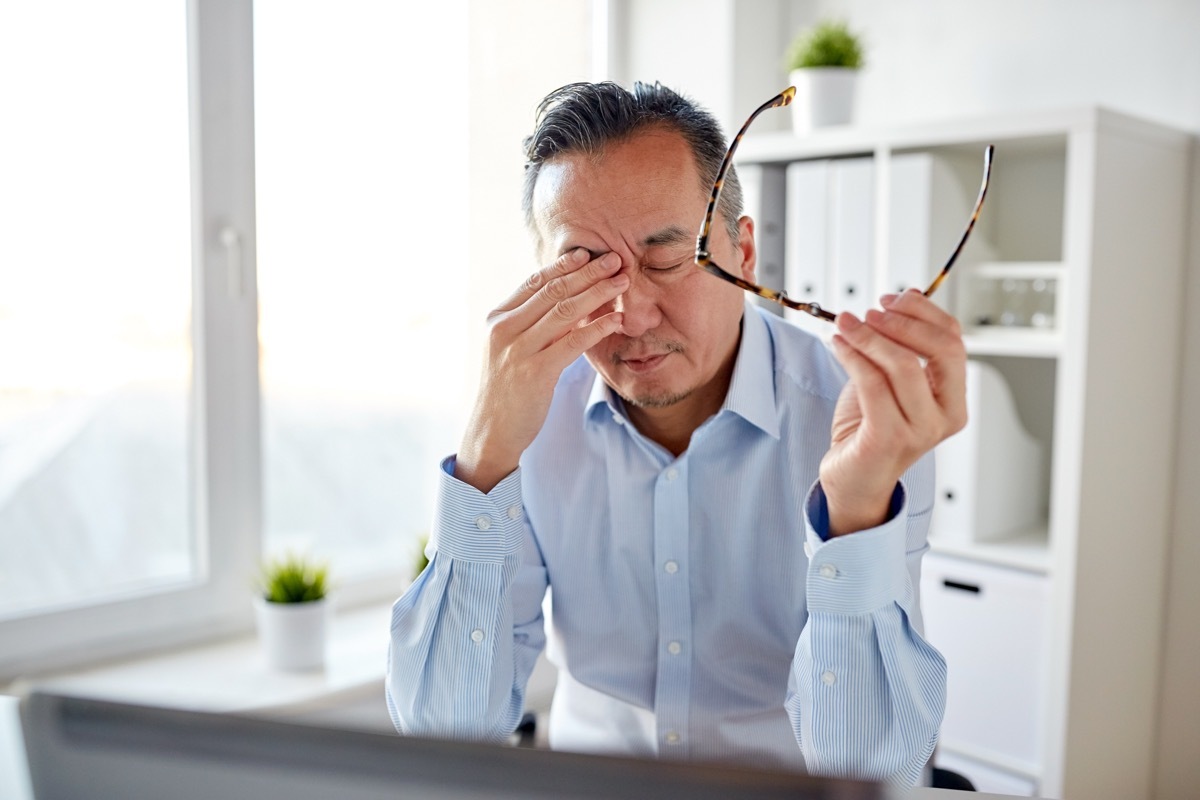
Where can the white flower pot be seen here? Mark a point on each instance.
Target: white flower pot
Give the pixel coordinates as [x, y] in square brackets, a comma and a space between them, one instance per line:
[824, 97]
[292, 634]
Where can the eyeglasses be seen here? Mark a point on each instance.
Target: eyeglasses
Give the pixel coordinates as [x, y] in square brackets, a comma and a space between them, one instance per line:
[704, 258]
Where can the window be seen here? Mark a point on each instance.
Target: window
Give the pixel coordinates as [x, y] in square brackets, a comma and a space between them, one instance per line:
[191, 375]
[95, 295]
[361, 194]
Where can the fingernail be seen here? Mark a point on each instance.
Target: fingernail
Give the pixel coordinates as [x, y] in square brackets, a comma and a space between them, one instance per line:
[847, 321]
[620, 281]
[579, 255]
[874, 316]
[887, 299]
[610, 260]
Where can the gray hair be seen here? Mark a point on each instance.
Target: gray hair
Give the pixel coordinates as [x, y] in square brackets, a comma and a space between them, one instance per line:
[587, 117]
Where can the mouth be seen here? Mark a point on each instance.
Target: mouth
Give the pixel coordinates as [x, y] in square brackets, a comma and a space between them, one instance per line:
[643, 365]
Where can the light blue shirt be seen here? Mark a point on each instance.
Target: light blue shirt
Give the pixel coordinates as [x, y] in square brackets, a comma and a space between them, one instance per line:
[696, 609]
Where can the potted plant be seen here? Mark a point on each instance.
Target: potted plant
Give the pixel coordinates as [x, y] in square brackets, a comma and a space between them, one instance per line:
[420, 560]
[291, 608]
[823, 63]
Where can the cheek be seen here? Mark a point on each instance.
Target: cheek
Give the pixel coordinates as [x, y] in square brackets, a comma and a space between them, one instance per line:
[704, 305]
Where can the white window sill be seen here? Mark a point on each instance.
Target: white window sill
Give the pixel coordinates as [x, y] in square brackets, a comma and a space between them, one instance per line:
[232, 675]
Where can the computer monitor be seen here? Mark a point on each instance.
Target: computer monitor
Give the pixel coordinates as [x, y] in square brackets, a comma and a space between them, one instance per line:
[87, 748]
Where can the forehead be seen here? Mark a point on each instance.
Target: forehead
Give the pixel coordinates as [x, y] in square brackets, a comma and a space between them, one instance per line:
[630, 192]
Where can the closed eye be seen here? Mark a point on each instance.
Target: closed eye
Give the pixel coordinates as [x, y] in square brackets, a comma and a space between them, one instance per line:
[664, 268]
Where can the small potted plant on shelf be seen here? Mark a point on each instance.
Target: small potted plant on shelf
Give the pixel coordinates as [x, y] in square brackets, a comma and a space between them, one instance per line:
[291, 608]
[823, 64]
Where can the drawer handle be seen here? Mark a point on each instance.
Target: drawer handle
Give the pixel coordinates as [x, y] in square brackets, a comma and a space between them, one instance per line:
[962, 587]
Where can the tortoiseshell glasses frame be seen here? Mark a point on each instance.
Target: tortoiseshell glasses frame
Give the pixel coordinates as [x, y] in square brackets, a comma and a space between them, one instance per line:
[704, 258]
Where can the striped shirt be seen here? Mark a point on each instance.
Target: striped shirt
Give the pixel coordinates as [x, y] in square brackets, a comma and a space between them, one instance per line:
[696, 608]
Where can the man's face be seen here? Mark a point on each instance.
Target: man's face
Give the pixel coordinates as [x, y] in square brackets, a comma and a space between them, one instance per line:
[642, 199]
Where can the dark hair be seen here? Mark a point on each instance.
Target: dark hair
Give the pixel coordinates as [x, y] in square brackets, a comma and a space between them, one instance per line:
[587, 117]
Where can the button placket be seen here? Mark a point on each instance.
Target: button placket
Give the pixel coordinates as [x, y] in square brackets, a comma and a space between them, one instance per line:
[672, 696]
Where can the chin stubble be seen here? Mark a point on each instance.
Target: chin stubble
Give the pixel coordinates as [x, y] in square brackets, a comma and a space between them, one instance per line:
[659, 399]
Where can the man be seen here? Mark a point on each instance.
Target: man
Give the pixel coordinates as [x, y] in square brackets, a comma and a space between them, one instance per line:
[731, 531]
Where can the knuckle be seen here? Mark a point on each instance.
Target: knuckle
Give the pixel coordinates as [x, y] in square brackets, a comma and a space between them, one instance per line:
[576, 339]
[556, 290]
[566, 309]
[533, 282]
[498, 328]
[562, 265]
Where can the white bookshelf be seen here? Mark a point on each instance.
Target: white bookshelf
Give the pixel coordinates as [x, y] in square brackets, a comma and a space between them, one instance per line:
[1094, 201]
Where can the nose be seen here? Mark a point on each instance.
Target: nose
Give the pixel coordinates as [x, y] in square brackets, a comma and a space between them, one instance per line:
[639, 305]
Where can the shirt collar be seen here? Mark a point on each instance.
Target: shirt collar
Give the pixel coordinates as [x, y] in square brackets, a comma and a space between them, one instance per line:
[751, 389]
[600, 397]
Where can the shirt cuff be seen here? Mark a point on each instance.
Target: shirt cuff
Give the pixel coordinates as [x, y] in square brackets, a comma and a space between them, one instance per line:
[859, 572]
[469, 525]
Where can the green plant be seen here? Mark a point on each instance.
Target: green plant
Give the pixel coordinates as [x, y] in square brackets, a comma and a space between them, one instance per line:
[829, 43]
[293, 579]
[421, 561]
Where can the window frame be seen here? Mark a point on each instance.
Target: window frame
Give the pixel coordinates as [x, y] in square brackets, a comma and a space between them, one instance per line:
[225, 448]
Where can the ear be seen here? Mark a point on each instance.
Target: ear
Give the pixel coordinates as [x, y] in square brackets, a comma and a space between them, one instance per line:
[746, 246]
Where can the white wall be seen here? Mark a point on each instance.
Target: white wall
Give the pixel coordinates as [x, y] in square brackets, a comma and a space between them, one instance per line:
[930, 59]
[520, 51]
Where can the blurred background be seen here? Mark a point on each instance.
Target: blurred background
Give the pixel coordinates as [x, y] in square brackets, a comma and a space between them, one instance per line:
[247, 251]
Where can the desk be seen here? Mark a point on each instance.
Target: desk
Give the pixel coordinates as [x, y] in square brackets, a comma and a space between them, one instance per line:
[15, 784]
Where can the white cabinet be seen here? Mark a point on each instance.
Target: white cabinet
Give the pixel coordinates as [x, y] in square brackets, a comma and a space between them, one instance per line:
[1070, 290]
[990, 624]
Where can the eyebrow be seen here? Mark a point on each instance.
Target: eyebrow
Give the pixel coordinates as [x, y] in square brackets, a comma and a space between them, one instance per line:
[669, 235]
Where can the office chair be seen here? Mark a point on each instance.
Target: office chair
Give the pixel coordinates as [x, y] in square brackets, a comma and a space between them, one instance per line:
[949, 779]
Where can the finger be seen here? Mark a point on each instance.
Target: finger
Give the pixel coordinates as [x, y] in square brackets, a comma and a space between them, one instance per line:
[582, 338]
[900, 366]
[941, 345]
[570, 311]
[926, 339]
[880, 410]
[559, 299]
[565, 264]
[915, 304]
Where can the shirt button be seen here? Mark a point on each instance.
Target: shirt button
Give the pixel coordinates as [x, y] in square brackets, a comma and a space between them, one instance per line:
[483, 522]
[828, 571]
[672, 737]
[828, 678]
[671, 567]
[672, 474]
[477, 637]
[618, 420]
[674, 648]
[514, 512]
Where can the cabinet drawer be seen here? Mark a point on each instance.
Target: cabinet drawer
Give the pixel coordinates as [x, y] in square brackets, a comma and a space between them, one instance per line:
[990, 623]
